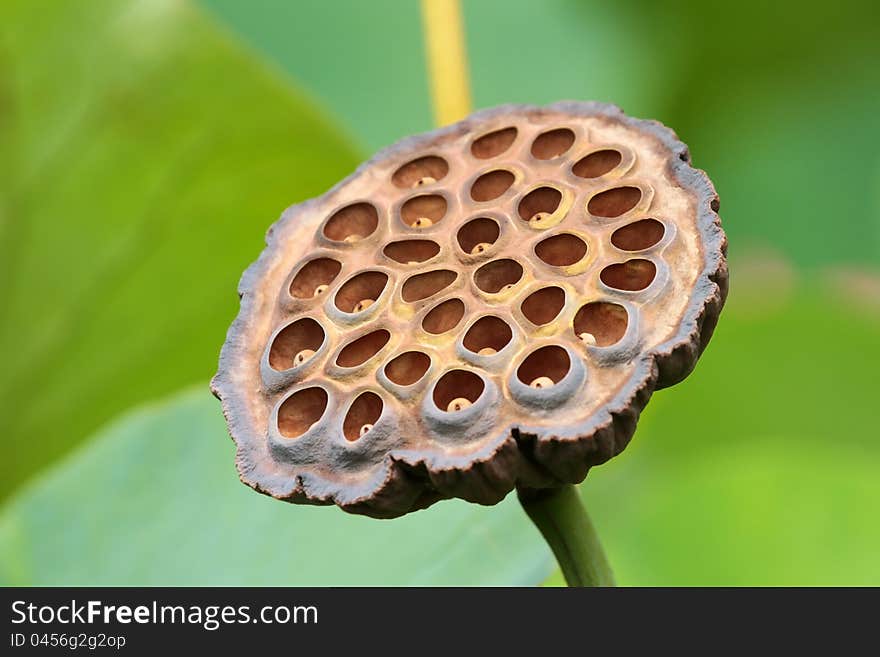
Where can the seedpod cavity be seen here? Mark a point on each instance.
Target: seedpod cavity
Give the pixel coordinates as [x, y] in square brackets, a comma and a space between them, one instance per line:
[480, 308]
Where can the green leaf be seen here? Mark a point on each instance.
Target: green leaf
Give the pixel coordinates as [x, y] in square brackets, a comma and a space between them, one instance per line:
[366, 60]
[143, 154]
[761, 468]
[765, 511]
[786, 123]
[154, 500]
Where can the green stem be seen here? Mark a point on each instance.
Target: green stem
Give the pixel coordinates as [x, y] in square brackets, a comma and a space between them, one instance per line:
[562, 519]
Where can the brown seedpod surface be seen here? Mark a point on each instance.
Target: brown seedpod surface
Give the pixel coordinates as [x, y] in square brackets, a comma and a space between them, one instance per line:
[482, 307]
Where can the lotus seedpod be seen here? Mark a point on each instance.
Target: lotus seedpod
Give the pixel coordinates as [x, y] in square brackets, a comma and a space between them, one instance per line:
[482, 307]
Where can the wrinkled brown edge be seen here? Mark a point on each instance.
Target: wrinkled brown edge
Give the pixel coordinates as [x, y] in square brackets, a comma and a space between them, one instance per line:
[519, 455]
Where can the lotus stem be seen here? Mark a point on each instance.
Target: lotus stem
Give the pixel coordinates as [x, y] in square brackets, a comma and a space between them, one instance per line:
[562, 519]
[447, 60]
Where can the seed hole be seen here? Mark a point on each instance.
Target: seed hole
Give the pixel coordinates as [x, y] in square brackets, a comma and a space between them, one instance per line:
[411, 251]
[476, 232]
[352, 223]
[408, 368]
[632, 275]
[498, 274]
[543, 200]
[639, 235]
[488, 332]
[362, 415]
[444, 317]
[423, 211]
[314, 277]
[293, 343]
[551, 362]
[544, 305]
[459, 386]
[491, 185]
[597, 163]
[423, 171]
[600, 323]
[422, 286]
[493, 144]
[552, 143]
[561, 250]
[614, 202]
[300, 411]
[366, 286]
[363, 349]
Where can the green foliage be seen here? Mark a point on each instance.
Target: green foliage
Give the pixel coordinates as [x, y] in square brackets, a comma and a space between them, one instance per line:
[154, 500]
[779, 102]
[767, 510]
[142, 154]
[366, 60]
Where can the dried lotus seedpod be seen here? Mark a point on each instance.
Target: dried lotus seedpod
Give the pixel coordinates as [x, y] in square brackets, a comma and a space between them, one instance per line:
[482, 307]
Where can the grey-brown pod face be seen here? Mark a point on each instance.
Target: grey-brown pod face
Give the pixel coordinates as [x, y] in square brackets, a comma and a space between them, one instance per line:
[472, 303]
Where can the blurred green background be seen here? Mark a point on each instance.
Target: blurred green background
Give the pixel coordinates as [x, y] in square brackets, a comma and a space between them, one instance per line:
[146, 145]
